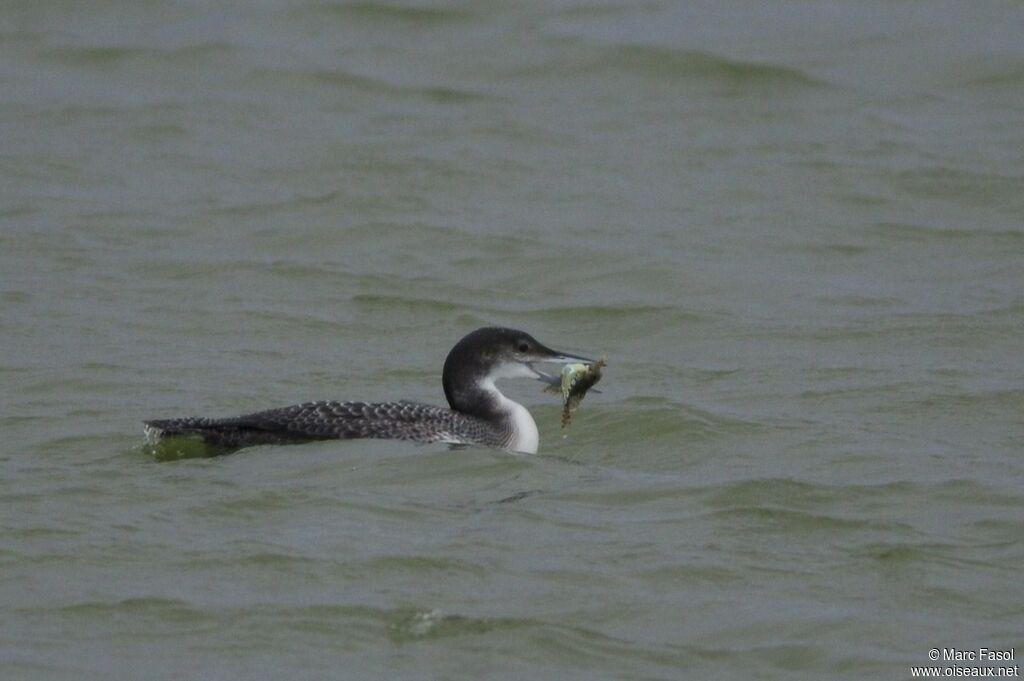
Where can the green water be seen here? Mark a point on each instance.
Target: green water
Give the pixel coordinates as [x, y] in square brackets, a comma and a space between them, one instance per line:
[795, 229]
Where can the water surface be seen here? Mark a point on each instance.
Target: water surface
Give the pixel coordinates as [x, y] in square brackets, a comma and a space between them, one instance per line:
[794, 229]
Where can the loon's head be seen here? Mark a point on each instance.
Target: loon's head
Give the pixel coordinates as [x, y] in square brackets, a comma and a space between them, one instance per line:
[489, 354]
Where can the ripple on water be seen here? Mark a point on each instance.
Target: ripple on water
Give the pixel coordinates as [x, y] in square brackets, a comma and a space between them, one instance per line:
[580, 646]
[672, 63]
[925, 233]
[414, 625]
[385, 14]
[660, 424]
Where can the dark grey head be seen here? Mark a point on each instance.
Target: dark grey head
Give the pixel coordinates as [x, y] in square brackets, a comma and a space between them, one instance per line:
[489, 354]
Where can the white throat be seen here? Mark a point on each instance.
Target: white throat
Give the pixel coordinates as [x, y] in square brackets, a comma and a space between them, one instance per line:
[525, 437]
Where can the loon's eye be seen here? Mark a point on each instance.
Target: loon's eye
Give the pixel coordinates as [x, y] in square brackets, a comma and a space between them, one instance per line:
[524, 346]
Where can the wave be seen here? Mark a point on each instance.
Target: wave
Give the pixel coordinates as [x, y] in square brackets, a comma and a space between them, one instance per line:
[388, 13]
[669, 64]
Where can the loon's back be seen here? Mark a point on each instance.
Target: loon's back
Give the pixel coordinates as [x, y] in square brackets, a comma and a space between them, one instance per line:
[329, 420]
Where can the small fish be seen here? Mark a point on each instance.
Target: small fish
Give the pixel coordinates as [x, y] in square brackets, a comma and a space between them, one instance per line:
[575, 381]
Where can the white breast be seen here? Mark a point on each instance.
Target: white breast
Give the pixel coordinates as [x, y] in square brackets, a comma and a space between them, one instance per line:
[526, 438]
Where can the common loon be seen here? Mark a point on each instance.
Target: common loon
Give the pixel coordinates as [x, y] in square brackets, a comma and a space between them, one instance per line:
[479, 413]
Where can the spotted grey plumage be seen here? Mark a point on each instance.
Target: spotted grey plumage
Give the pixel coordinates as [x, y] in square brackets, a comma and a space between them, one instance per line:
[478, 413]
[326, 420]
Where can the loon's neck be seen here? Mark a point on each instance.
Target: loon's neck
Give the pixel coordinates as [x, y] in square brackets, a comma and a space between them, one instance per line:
[525, 437]
[470, 390]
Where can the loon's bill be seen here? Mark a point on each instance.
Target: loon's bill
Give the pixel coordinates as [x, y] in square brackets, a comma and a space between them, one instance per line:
[478, 413]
